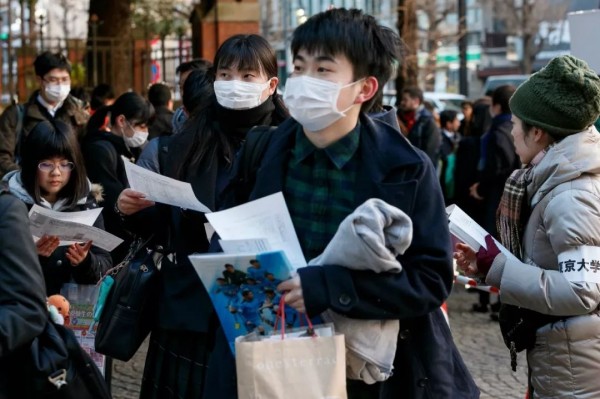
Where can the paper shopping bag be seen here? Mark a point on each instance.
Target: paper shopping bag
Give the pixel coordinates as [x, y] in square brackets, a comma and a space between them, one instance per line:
[302, 368]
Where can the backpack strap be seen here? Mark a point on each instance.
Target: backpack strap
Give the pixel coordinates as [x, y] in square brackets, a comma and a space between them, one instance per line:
[21, 109]
[163, 152]
[251, 157]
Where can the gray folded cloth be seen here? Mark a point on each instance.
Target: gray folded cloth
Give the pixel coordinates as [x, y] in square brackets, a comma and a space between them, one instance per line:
[368, 239]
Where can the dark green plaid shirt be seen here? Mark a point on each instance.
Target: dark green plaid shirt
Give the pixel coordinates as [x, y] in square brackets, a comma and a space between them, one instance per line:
[319, 189]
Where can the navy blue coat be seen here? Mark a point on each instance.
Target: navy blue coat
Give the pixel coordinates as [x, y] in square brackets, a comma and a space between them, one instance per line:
[427, 363]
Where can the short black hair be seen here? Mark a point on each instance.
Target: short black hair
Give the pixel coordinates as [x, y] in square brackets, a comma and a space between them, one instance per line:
[197, 64]
[414, 92]
[100, 94]
[159, 95]
[502, 95]
[466, 103]
[81, 93]
[48, 61]
[48, 140]
[446, 116]
[372, 49]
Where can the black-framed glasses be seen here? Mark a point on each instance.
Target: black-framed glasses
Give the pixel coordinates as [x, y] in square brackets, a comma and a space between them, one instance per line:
[50, 166]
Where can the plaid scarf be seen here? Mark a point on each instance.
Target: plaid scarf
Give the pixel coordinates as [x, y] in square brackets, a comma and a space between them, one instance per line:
[514, 209]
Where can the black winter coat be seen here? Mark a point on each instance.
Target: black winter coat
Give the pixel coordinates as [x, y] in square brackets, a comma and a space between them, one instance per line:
[102, 152]
[23, 311]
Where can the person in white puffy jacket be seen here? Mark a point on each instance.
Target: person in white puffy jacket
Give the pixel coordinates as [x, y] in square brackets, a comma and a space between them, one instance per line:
[549, 218]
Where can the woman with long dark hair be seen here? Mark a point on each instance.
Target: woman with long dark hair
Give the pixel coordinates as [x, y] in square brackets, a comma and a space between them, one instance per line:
[103, 151]
[53, 176]
[243, 95]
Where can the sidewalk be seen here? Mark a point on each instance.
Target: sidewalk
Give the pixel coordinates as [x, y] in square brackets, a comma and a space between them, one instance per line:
[477, 337]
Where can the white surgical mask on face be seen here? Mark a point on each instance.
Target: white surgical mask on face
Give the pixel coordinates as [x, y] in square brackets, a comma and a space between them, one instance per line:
[235, 94]
[137, 140]
[57, 92]
[313, 102]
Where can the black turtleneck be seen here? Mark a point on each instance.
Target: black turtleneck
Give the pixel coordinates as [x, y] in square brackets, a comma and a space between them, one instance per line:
[237, 122]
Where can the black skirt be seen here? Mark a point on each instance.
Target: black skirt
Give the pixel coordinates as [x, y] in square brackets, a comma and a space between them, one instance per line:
[176, 365]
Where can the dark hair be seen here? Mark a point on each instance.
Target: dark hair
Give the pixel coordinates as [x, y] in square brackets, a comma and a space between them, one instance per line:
[481, 121]
[527, 127]
[196, 96]
[203, 140]
[159, 95]
[502, 95]
[247, 52]
[48, 61]
[414, 92]
[447, 116]
[466, 103]
[81, 93]
[134, 107]
[47, 140]
[372, 49]
[100, 94]
[197, 64]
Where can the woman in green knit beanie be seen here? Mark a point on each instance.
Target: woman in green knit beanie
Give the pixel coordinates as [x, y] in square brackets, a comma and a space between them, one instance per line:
[549, 219]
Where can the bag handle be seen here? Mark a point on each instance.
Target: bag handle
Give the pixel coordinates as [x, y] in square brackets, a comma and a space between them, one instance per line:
[136, 245]
[281, 316]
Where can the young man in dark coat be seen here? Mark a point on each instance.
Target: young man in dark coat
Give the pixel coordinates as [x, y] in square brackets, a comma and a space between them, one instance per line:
[423, 132]
[330, 158]
[52, 101]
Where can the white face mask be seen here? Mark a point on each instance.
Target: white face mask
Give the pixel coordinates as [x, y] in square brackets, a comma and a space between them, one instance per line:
[313, 102]
[235, 94]
[137, 140]
[57, 93]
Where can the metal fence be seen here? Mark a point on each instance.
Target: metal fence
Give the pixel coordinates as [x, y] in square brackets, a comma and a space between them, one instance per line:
[136, 62]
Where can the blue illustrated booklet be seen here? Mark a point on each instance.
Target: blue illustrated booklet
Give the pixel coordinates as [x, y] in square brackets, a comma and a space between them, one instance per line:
[243, 290]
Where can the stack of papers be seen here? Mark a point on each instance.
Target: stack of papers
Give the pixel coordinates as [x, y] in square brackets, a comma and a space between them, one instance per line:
[466, 230]
[71, 227]
[261, 250]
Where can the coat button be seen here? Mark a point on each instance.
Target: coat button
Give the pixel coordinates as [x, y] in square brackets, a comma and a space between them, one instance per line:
[422, 383]
[58, 262]
[404, 334]
[344, 299]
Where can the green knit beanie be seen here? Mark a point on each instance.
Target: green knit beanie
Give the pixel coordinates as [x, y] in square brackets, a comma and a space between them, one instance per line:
[562, 98]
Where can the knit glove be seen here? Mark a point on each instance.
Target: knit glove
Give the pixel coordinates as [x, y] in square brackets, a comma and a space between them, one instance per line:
[485, 257]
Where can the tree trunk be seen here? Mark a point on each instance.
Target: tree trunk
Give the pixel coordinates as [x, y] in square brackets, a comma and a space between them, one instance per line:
[114, 33]
[407, 26]
[431, 63]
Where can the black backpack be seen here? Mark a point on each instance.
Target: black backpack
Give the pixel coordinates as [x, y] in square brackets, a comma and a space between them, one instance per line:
[56, 366]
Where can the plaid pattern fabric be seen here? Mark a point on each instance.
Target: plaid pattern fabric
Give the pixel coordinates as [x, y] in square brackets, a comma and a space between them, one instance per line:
[513, 209]
[319, 189]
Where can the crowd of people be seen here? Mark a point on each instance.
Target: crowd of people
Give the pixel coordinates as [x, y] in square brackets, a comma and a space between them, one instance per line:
[522, 162]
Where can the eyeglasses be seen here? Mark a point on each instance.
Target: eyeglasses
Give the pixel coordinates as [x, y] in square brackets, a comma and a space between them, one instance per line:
[50, 166]
[57, 81]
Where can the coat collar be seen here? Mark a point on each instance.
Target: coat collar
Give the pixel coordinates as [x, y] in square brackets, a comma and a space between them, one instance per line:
[382, 150]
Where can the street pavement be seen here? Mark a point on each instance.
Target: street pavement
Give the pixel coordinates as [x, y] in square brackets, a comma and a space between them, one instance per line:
[476, 336]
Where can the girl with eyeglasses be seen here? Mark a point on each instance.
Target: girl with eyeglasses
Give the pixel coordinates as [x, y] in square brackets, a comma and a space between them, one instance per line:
[53, 176]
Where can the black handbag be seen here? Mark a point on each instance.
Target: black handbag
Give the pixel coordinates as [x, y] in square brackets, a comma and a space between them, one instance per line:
[519, 326]
[55, 366]
[129, 312]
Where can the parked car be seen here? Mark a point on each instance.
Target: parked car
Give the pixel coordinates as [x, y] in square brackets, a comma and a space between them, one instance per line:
[439, 100]
[493, 82]
[445, 101]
